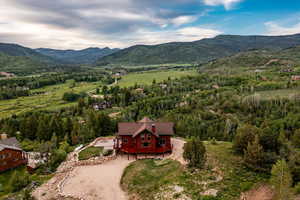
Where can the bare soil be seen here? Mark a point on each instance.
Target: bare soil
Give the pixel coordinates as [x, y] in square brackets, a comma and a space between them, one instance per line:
[97, 182]
[263, 192]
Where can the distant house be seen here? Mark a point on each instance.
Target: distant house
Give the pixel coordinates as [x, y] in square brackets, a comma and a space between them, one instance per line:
[144, 136]
[11, 154]
[287, 70]
[296, 78]
[139, 90]
[102, 105]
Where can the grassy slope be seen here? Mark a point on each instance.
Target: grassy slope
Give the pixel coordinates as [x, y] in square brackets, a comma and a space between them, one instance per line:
[278, 94]
[90, 152]
[258, 58]
[51, 99]
[149, 178]
[146, 78]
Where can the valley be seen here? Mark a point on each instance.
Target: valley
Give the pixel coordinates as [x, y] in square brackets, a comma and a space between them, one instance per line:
[233, 119]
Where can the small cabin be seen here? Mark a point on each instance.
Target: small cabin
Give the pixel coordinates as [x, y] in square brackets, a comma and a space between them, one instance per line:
[11, 155]
[144, 136]
[296, 78]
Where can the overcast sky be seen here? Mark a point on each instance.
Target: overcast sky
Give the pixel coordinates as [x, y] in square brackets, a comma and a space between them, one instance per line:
[77, 24]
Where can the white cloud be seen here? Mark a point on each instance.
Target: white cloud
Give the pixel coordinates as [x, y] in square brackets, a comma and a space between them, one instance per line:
[228, 4]
[76, 24]
[275, 29]
[187, 34]
[181, 20]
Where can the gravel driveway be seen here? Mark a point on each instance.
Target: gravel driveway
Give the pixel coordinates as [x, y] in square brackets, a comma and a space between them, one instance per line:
[97, 182]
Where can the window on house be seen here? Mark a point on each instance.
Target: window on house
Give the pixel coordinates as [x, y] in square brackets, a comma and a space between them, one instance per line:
[162, 142]
[125, 140]
[149, 137]
[145, 144]
[143, 137]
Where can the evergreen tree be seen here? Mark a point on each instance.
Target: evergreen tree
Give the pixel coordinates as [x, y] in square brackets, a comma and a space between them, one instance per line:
[281, 180]
[296, 138]
[244, 135]
[254, 155]
[195, 153]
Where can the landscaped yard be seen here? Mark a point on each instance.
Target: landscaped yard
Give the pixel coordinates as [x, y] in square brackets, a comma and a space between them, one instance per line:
[90, 152]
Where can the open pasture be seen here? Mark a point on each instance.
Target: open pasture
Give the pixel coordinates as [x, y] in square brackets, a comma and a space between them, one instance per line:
[146, 78]
[49, 97]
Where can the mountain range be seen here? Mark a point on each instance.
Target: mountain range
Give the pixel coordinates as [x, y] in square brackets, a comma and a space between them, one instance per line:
[15, 57]
[84, 56]
[199, 51]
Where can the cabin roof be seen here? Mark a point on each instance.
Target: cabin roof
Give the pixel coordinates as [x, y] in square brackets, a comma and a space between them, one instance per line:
[10, 143]
[2, 147]
[134, 128]
[144, 127]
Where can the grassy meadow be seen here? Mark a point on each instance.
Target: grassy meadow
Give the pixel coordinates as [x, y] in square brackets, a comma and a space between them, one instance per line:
[146, 78]
[279, 94]
[167, 179]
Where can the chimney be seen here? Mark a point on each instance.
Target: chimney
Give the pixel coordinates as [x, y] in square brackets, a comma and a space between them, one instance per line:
[153, 128]
[3, 136]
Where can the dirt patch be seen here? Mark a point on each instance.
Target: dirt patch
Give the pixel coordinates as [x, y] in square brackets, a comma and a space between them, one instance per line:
[97, 182]
[263, 192]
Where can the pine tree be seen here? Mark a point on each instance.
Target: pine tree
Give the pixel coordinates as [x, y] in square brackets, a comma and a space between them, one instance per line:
[281, 179]
[195, 153]
[254, 155]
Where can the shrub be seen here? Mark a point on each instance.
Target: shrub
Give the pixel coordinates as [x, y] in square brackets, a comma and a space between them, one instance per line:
[297, 188]
[195, 153]
[296, 138]
[108, 152]
[213, 141]
[90, 152]
[56, 158]
[70, 96]
[18, 181]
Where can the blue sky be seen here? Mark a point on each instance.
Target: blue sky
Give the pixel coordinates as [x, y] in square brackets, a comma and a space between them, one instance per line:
[77, 24]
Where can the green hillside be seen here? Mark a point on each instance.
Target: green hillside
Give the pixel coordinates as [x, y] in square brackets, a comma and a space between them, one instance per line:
[20, 64]
[259, 58]
[199, 51]
[84, 56]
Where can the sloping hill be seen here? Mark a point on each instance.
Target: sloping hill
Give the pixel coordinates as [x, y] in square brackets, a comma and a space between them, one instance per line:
[258, 58]
[20, 64]
[199, 51]
[18, 50]
[84, 56]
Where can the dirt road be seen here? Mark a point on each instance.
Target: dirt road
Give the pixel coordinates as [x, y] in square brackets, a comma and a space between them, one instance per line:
[97, 182]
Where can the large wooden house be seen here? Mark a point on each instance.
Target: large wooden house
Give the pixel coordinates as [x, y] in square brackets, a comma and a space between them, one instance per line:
[11, 155]
[145, 136]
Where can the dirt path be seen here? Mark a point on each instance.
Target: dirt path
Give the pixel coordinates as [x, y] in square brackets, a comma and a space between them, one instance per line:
[177, 153]
[101, 182]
